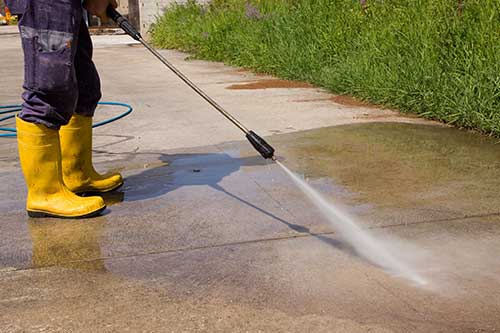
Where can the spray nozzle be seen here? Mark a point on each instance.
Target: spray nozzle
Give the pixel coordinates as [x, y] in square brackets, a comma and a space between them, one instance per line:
[260, 145]
[123, 23]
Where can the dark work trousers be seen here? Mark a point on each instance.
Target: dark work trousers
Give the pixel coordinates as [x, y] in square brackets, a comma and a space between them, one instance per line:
[59, 75]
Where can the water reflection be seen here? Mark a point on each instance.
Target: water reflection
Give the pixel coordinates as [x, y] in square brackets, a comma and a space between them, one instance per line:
[72, 244]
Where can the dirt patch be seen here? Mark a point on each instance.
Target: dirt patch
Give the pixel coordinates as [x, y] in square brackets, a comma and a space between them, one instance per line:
[269, 84]
[351, 101]
[250, 71]
[343, 100]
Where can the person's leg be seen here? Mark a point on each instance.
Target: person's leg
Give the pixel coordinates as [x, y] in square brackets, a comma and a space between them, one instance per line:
[49, 31]
[76, 137]
[88, 82]
[48, 37]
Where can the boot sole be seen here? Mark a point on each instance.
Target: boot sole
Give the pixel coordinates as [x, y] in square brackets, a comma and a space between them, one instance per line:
[86, 193]
[35, 214]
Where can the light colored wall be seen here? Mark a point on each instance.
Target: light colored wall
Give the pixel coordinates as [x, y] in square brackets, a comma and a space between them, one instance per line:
[123, 7]
[150, 9]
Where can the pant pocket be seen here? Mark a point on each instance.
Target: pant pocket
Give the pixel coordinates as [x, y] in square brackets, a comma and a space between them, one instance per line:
[54, 70]
[30, 53]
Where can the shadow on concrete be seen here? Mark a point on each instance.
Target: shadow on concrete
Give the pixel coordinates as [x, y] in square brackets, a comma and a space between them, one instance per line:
[180, 170]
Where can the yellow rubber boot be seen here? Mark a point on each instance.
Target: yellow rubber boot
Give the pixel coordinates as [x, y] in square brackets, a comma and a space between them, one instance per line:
[78, 172]
[40, 157]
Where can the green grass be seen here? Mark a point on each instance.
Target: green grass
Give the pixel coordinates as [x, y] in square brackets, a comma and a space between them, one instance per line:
[420, 56]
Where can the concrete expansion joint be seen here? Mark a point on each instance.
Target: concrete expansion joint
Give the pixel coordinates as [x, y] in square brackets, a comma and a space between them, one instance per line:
[247, 242]
[465, 217]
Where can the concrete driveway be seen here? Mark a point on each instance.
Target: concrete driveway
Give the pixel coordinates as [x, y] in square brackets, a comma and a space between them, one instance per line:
[207, 236]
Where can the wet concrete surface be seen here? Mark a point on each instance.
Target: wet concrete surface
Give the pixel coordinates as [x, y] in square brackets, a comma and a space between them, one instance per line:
[403, 166]
[215, 238]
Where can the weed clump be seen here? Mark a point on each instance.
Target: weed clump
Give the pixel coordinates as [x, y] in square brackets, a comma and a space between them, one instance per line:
[439, 59]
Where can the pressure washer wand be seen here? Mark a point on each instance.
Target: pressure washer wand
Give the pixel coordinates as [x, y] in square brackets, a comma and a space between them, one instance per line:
[257, 142]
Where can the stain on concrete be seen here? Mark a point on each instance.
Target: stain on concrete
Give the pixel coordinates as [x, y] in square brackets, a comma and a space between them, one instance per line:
[352, 101]
[344, 100]
[249, 72]
[269, 84]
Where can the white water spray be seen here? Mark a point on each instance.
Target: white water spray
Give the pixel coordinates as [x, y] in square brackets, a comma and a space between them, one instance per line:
[364, 243]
